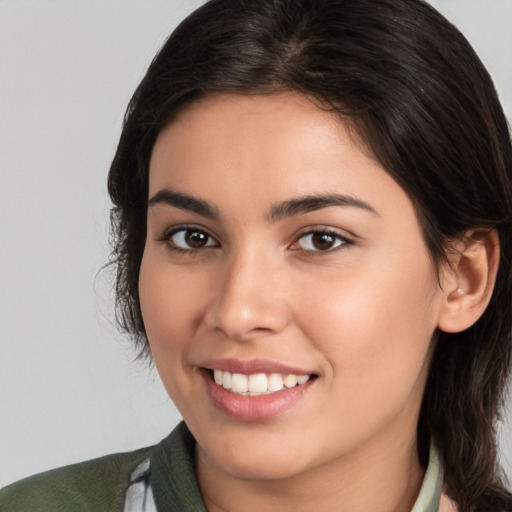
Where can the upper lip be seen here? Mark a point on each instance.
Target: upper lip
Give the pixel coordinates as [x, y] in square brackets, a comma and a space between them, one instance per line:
[253, 366]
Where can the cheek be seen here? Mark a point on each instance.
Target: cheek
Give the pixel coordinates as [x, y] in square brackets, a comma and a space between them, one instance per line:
[170, 311]
[160, 308]
[375, 329]
[170, 308]
[169, 302]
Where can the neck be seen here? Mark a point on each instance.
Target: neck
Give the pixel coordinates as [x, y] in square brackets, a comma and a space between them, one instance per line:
[385, 477]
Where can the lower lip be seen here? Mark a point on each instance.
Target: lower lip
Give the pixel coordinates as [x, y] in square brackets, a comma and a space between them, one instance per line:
[253, 408]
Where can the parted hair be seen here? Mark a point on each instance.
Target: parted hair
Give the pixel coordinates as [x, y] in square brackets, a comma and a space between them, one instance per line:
[427, 109]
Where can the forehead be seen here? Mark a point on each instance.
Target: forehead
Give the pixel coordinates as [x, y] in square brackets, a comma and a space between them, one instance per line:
[236, 150]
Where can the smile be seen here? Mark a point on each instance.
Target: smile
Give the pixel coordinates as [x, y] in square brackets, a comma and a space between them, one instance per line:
[254, 390]
[257, 384]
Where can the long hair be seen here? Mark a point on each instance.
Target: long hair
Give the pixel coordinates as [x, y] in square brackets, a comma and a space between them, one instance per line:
[425, 106]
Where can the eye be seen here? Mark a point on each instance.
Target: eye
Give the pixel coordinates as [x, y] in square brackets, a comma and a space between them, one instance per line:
[320, 241]
[189, 239]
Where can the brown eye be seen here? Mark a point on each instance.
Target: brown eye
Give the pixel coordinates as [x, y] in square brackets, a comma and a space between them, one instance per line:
[190, 239]
[320, 241]
[196, 239]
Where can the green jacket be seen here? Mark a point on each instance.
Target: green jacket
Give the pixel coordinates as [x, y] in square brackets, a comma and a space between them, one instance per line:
[100, 485]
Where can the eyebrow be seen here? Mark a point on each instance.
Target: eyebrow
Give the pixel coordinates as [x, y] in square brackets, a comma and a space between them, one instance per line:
[308, 204]
[184, 202]
[279, 211]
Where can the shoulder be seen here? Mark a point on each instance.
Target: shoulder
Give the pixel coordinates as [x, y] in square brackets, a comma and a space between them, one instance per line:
[98, 484]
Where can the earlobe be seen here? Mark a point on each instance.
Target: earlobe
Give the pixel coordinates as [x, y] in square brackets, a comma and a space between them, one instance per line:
[468, 281]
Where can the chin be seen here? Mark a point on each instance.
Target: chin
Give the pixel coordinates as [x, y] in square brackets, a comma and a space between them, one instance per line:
[258, 460]
[263, 467]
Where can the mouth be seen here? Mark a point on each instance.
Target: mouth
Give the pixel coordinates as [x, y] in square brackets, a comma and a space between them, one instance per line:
[256, 390]
[257, 384]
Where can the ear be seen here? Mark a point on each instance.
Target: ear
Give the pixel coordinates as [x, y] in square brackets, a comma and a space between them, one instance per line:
[468, 280]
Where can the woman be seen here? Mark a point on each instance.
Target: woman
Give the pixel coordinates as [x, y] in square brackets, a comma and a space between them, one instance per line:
[313, 212]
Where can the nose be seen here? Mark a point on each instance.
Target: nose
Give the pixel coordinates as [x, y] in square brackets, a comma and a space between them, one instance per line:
[250, 299]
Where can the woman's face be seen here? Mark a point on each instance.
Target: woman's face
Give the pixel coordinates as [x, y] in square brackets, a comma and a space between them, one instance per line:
[279, 253]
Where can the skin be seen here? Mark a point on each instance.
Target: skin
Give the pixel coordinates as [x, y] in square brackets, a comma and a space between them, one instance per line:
[361, 315]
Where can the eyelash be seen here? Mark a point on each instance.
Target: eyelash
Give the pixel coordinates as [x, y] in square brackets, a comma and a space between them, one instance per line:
[341, 242]
[168, 235]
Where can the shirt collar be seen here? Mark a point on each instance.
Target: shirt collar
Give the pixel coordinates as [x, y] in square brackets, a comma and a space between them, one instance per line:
[430, 492]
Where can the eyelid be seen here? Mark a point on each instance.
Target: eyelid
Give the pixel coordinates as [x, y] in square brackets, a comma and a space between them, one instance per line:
[346, 240]
[173, 230]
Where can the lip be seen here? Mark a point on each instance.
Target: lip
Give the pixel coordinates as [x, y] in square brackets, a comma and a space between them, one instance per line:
[252, 366]
[253, 408]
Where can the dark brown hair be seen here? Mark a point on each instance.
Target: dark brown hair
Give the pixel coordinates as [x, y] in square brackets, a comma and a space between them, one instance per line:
[426, 107]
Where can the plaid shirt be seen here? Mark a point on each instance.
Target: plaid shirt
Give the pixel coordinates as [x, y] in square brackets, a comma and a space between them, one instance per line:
[139, 496]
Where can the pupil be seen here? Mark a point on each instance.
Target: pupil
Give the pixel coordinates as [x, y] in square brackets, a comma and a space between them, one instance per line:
[322, 241]
[196, 239]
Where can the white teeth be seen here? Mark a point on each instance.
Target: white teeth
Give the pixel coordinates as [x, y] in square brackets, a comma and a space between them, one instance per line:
[217, 376]
[290, 381]
[302, 379]
[275, 382]
[257, 383]
[226, 380]
[239, 383]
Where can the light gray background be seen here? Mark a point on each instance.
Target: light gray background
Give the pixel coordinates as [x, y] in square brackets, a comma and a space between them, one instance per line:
[69, 390]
